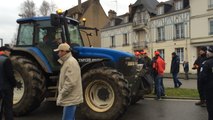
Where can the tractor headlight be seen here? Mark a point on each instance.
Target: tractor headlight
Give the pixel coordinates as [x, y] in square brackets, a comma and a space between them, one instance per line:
[131, 63]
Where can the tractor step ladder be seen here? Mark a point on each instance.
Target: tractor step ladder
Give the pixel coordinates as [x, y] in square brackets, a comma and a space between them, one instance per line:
[52, 90]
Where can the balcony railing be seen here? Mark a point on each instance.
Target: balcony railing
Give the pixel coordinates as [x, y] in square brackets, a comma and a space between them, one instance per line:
[140, 22]
[139, 45]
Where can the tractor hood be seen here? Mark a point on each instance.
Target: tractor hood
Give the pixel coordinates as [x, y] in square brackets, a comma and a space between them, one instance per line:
[92, 52]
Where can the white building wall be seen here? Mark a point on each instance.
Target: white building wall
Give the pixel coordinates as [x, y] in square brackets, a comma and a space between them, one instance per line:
[169, 45]
[118, 32]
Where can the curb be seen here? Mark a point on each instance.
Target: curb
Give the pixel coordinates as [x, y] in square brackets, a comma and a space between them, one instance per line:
[172, 97]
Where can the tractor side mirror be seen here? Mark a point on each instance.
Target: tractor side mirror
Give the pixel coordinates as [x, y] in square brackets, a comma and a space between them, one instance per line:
[55, 19]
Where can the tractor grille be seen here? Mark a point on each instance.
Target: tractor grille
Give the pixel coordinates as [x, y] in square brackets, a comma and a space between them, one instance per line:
[128, 66]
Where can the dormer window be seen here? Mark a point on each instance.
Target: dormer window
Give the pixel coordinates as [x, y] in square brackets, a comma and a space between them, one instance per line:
[160, 10]
[178, 4]
[126, 19]
[112, 22]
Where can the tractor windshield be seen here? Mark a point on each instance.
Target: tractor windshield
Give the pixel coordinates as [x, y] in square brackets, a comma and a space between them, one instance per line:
[74, 34]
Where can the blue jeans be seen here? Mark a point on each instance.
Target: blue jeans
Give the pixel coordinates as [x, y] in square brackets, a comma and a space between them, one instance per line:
[159, 86]
[69, 113]
[177, 83]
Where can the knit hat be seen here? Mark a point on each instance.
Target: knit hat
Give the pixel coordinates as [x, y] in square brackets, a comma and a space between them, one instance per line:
[203, 48]
[5, 48]
[174, 53]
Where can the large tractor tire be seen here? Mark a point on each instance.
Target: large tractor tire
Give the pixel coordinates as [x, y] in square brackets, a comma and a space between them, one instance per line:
[32, 91]
[106, 94]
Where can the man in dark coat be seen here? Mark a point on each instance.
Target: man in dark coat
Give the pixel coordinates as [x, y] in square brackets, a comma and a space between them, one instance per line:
[7, 84]
[197, 65]
[206, 74]
[175, 66]
[147, 61]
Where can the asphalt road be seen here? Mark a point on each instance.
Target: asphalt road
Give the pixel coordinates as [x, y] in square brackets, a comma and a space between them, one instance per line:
[147, 109]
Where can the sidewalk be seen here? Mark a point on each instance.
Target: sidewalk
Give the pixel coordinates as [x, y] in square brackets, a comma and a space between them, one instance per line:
[191, 83]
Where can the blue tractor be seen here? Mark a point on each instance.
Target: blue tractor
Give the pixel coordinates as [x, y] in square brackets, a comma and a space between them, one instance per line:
[110, 78]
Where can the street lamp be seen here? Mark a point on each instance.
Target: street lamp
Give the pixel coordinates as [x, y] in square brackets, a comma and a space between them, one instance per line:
[1, 41]
[84, 21]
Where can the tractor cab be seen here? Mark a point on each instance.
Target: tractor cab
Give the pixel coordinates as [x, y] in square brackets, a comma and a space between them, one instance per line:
[46, 33]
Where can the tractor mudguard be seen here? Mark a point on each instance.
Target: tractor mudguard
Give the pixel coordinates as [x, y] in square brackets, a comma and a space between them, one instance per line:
[34, 54]
[89, 65]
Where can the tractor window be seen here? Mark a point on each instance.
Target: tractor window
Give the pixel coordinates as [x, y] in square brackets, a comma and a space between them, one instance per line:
[74, 34]
[25, 34]
[48, 35]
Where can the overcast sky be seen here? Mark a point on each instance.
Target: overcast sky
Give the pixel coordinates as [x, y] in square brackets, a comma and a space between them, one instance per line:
[9, 10]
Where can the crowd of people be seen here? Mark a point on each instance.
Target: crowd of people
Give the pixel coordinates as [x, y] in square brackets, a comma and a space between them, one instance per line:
[203, 64]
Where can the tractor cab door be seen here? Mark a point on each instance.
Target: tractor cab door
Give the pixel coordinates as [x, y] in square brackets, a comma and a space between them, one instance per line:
[47, 39]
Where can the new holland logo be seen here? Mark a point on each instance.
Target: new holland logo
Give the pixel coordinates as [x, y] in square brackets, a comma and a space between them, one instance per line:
[88, 59]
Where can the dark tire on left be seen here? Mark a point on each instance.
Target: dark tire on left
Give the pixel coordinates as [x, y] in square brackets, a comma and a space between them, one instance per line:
[106, 94]
[32, 91]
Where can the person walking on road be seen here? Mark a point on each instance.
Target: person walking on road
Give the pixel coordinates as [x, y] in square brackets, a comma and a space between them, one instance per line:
[70, 92]
[206, 74]
[200, 86]
[175, 66]
[7, 84]
[186, 69]
[159, 67]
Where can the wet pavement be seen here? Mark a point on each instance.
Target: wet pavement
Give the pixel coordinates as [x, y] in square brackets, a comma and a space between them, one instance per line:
[165, 110]
[190, 84]
[147, 109]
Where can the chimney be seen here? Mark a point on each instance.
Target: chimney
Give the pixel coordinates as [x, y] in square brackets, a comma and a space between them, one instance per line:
[130, 8]
[79, 6]
[112, 14]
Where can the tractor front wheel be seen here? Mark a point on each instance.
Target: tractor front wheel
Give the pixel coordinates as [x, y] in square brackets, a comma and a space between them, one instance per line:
[106, 94]
[32, 89]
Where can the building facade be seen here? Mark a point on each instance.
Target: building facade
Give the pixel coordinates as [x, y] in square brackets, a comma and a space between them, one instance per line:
[118, 34]
[170, 31]
[180, 26]
[129, 32]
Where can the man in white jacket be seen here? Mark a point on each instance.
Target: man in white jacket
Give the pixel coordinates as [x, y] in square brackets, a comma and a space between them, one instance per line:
[70, 85]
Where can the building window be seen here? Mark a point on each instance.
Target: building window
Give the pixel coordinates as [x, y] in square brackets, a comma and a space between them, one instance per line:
[162, 54]
[211, 26]
[125, 40]
[179, 5]
[179, 31]
[160, 10]
[161, 35]
[180, 53]
[112, 41]
[210, 3]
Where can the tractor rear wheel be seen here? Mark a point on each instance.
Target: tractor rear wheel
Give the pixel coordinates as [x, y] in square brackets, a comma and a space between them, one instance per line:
[106, 94]
[32, 91]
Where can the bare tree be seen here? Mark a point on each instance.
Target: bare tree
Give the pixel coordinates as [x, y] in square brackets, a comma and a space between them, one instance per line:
[45, 8]
[53, 7]
[28, 9]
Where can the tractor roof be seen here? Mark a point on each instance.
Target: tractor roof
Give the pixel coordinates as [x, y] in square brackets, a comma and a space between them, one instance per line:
[32, 19]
